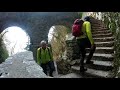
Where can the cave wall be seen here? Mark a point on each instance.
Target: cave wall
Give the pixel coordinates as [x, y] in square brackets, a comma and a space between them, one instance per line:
[36, 24]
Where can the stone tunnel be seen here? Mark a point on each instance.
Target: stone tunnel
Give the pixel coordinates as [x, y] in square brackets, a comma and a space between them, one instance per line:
[36, 24]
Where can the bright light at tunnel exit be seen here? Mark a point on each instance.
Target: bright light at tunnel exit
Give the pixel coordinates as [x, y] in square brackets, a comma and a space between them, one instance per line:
[50, 34]
[16, 40]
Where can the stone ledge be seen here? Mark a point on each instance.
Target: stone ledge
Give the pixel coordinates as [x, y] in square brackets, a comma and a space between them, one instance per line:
[21, 65]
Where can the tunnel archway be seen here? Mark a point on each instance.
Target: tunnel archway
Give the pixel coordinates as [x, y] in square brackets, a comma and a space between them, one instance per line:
[57, 40]
[36, 24]
[15, 39]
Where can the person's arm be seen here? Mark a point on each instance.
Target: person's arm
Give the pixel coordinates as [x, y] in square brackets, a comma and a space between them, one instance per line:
[38, 56]
[50, 53]
[89, 34]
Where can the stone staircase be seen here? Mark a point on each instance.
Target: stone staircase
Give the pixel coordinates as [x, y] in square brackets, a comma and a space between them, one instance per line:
[103, 56]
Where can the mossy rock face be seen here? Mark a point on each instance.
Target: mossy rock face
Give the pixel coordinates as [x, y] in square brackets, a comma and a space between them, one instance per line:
[112, 21]
[118, 75]
[3, 54]
[63, 67]
[3, 51]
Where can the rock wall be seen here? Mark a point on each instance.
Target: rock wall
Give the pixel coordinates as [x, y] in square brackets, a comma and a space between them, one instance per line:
[69, 57]
[112, 20]
[21, 65]
[72, 49]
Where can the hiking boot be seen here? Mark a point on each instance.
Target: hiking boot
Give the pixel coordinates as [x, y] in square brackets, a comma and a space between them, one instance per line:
[89, 62]
[82, 69]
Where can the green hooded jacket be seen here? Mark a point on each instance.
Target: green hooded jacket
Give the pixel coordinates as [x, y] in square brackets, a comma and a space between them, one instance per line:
[44, 56]
[86, 29]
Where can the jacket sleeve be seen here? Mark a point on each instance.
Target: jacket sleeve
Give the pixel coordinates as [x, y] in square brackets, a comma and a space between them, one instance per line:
[88, 31]
[51, 54]
[38, 56]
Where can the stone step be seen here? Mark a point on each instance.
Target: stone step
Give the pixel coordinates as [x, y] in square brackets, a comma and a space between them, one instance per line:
[102, 35]
[103, 63]
[106, 50]
[71, 75]
[96, 25]
[105, 44]
[98, 65]
[96, 22]
[104, 39]
[101, 32]
[92, 73]
[102, 57]
[99, 29]
[97, 62]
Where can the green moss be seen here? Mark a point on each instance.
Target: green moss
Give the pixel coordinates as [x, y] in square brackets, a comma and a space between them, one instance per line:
[112, 21]
[113, 27]
[3, 52]
[68, 30]
[117, 53]
[80, 14]
[118, 75]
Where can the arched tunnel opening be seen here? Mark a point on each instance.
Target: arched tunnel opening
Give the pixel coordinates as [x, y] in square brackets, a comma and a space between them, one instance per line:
[56, 39]
[15, 40]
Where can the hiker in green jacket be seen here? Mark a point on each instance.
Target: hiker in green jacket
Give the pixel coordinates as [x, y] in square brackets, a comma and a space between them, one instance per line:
[86, 41]
[45, 58]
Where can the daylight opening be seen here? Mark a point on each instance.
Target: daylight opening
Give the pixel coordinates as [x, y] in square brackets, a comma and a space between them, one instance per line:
[56, 38]
[16, 40]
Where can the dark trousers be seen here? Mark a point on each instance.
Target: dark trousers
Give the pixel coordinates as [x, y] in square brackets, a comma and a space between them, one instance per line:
[83, 44]
[49, 65]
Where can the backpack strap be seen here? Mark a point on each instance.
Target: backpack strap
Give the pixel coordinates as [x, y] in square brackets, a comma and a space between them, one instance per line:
[40, 52]
[49, 52]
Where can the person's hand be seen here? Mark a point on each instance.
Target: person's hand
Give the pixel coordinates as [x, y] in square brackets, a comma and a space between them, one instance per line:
[74, 38]
[93, 46]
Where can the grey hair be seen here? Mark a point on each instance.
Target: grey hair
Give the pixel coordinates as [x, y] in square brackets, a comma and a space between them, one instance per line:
[43, 42]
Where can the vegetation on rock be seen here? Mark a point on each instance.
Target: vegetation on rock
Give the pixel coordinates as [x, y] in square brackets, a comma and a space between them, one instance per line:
[3, 51]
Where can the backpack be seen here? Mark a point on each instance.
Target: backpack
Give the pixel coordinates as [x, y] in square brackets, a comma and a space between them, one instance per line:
[77, 27]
